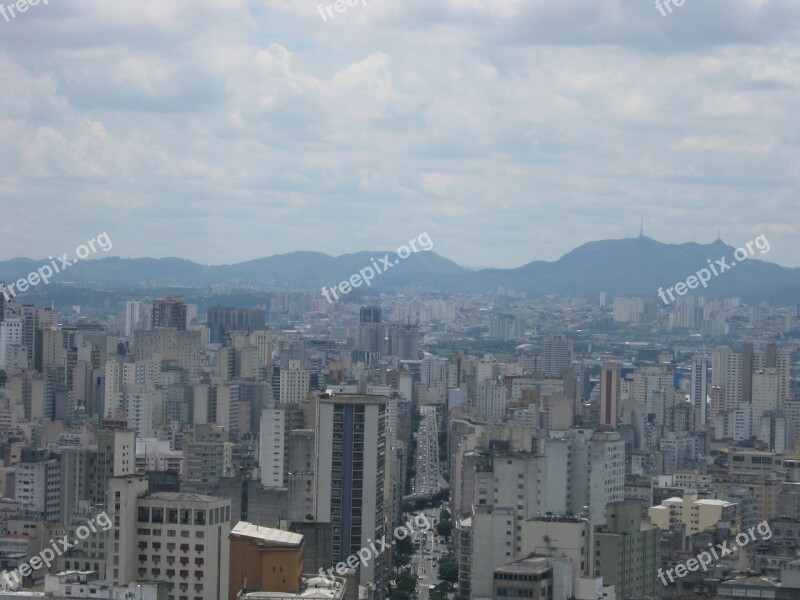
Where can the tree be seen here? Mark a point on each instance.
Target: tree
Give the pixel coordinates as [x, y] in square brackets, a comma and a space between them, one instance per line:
[407, 582]
[448, 569]
[444, 528]
[404, 547]
[404, 550]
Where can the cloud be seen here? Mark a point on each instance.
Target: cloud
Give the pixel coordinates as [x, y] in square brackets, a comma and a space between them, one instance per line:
[510, 130]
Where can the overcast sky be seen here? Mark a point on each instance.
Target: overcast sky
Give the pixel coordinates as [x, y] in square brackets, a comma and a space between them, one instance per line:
[227, 130]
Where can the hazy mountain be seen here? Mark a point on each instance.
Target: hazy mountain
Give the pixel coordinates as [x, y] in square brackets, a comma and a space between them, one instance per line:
[633, 266]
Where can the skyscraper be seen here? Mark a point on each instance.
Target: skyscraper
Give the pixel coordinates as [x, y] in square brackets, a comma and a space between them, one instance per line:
[699, 386]
[169, 311]
[371, 332]
[351, 455]
[133, 314]
[557, 352]
[403, 341]
[609, 395]
[222, 319]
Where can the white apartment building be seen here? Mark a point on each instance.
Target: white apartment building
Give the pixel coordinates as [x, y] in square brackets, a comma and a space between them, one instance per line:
[276, 426]
[595, 465]
[10, 338]
[271, 447]
[133, 315]
[295, 383]
[176, 538]
[38, 487]
[491, 399]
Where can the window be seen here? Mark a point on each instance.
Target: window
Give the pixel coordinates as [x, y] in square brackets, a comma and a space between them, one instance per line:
[186, 516]
[199, 517]
[143, 514]
[157, 515]
[172, 515]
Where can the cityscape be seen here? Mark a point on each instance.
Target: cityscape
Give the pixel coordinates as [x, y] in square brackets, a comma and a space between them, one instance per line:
[425, 445]
[419, 300]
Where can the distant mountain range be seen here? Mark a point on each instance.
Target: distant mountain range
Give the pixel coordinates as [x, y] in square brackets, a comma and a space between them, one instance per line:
[626, 267]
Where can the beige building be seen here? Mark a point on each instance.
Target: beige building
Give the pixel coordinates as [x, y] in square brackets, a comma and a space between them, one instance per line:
[264, 559]
[696, 514]
[177, 538]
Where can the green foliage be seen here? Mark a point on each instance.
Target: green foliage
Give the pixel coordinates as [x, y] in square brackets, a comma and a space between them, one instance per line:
[407, 582]
[444, 527]
[448, 569]
[404, 547]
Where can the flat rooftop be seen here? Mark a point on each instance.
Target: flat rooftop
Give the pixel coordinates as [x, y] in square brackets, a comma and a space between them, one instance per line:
[278, 537]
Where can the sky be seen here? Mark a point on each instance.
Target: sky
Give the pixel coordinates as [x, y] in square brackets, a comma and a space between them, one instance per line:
[508, 130]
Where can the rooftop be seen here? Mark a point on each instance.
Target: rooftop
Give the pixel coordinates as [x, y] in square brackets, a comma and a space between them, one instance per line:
[313, 587]
[181, 497]
[280, 537]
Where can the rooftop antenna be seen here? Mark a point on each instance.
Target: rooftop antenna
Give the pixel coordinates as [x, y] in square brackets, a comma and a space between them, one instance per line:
[641, 227]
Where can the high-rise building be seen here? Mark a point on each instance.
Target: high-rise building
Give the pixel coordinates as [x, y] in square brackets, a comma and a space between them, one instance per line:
[35, 318]
[491, 399]
[222, 319]
[169, 311]
[766, 392]
[133, 315]
[699, 387]
[180, 348]
[277, 423]
[734, 372]
[294, 384]
[116, 457]
[596, 472]
[302, 449]
[627, 552]
[370, 314]
[38, 486]
[351, 457]
[204, 459]
[12, 352]
[180, 539]
[371, 332]
[403, 341]
[557, 355]
[609, 395]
